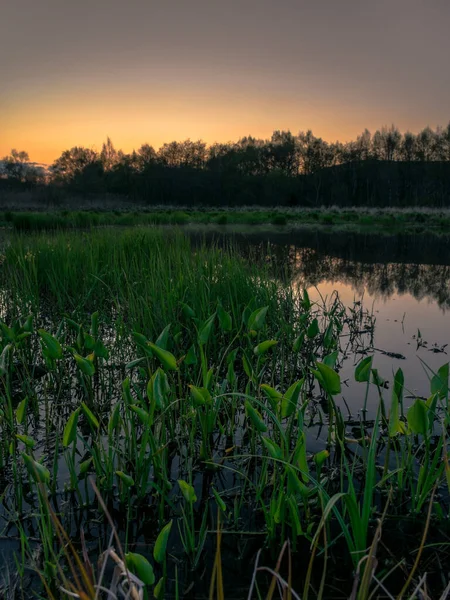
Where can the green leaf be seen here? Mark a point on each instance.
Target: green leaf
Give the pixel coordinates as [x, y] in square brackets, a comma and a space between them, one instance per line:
[439, 382]
[200, 396]
[94, 324]
[21, 410]
[188, 312]
[127, 480]
[418, 418]
[188, 491]
[205, 331]
[92, 419]
[264, 347]
[330, 359]
[225, 321]
[273, 395]
[290, 399]
[329, 379]
[4, 360]
[255, 417]
[273, 448]
[158, 590]
[313, 329]
[51, 344]
[163, 338]
[363, 368]
[257, 319]
[191, 356]
[70, 430]
[140, 567]
[159, 551]
[298, 342]
[38, 472]
[320, 458]
[156, 389]
[143, 415]
[220, 503]
[395, 425]
[166, 358]
[85, 365]
[84, 466]
[27, 440]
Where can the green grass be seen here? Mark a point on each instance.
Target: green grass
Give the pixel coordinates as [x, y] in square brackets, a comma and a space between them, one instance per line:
[191, 385]
[393, 220]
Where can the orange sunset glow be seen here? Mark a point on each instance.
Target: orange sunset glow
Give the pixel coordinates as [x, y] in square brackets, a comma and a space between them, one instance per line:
[157, 72]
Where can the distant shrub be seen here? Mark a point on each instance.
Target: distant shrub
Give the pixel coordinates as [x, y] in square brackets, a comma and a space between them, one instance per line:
[279, 220]
[222, 220]
[8, 216]
[327, 219]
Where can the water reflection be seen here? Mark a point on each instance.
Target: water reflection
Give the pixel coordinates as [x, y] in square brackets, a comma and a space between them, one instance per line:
[381, 265]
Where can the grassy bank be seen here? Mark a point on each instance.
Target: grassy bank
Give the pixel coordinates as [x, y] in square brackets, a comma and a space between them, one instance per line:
[184, 400]
[388, 219]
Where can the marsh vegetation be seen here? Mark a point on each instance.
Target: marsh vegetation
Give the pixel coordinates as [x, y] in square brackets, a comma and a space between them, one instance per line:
[187, 404]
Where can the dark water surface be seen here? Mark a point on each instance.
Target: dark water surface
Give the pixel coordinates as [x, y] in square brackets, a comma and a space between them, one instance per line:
[404, 280]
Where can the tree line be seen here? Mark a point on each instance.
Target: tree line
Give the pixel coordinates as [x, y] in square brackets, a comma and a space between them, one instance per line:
[285, 169]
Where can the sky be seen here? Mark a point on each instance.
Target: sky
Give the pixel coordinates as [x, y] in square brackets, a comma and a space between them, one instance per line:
[152, 71]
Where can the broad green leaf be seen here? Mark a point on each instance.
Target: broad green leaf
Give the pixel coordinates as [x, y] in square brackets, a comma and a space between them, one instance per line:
[37, 471]
[188, 312]
[143, 415]
[330, 359]
[94, 324]
[21, 410]
[257, 319]
[225, 321]
[205, 330]
[191, 356]
[306, 302]
[399, 381]
[377, 379]
[300, 456]
[418, 418]
[320, 458]
[264, 347]
[298, 342]
[395, 425]
[163, 338]
[273, 448]
[140, 567]
[51, 344]
[313, 329]
[158, 590]
[329, 379]
[27, 440]
[200, 396]
[85, 365]
[70, 430]
[127, 480]
[363, 368]
[84, 466]
[255, 417]
[439, 382]
[290, 399]
[166, 358]
[4, 360]
[188, 491]
[159, 551]
[92, 419]
[273, 395]
[156, 389]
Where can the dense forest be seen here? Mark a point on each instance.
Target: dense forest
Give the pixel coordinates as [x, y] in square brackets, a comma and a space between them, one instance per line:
[385, 169]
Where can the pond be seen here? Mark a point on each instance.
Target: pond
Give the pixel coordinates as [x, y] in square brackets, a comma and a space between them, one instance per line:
[402, 280]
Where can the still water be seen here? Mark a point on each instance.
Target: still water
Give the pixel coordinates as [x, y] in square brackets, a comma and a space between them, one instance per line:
[403, 280]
